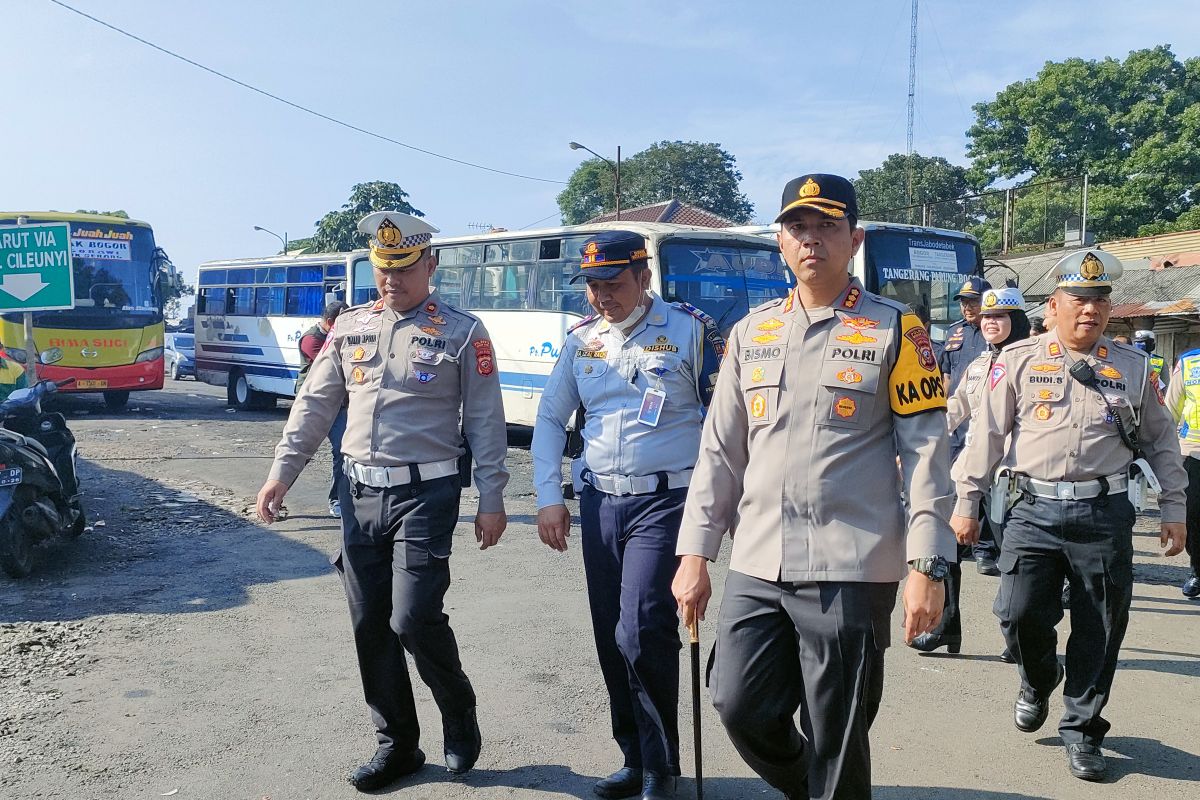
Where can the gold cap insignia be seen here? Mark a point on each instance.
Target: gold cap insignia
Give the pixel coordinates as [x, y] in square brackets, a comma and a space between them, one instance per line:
[1092, 267]
[591, 249]
[388, 234]
[810, 189]
[989, 300]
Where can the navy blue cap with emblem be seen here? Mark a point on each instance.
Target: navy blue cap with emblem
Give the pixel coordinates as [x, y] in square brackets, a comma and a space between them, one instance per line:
[973, 288]
[606, 255]
[832, 195]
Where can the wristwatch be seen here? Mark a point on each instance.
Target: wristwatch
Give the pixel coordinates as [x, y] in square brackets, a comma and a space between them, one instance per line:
[935, 568]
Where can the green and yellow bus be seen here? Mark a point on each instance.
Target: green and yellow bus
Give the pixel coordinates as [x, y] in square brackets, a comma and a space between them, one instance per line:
[112, 340]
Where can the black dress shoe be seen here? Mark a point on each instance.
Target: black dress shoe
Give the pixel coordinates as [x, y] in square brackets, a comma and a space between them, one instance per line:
[658, 787]
[1007, 657]
[928, 642]
[1191, 588]
[1032, 707]
[625, 782]
[1085, 761]
[986, 565]
[387, 766]
[462, 741]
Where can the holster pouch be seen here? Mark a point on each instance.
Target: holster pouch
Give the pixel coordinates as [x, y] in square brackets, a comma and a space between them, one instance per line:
[1004, 488]
[1141, 475]
[577, 475]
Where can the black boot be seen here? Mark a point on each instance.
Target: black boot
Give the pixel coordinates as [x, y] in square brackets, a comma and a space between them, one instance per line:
[462, 741]
[625, 782]
[386, 766]
[928, 642]
[658, 787]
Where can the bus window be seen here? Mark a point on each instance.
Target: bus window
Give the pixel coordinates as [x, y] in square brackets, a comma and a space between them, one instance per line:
[268, 301]
[304, 301]
[448, 283]
[211, 301]
[554, 293]
[310, 274]
[724, 282]
[335, 270]
[920, 268]
[240, 276]
[522, 251]
[550, 249]
[364, 290]
[212, 277]
[241, 301]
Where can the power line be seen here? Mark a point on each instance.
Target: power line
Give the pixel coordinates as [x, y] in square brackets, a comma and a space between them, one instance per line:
[297, 106]
[543, 219]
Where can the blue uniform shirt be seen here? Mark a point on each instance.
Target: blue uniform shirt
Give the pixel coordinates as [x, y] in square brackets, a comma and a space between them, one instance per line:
[675, 348]
[964, 343]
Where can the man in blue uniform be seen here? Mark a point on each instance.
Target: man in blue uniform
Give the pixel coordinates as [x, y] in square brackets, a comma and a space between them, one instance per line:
[963, 345]
[643, 369]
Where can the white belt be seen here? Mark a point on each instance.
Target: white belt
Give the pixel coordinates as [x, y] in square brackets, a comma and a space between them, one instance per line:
[384, 477]
[1077, 490]
[621, 485]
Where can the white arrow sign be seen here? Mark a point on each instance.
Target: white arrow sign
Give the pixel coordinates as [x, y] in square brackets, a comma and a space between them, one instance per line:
[23, 285]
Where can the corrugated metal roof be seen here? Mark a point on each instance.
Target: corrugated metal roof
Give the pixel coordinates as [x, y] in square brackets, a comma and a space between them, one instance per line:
[1157, 292]
[672, 211]
[1151, 246]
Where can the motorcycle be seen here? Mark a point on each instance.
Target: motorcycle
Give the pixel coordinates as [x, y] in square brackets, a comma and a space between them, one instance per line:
[39, 488]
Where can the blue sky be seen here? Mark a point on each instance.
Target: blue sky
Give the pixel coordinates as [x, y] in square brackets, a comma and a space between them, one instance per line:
[95, 120]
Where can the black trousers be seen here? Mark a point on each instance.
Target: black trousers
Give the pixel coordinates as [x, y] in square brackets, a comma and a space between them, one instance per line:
[1089, 542]
[394, 564]
[629, 560]
[816, 648]
[1192, 466]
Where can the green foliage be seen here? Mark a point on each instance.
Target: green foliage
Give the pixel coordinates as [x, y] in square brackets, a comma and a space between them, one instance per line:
[884, 188]
[698, 173]
[302, 245]
[119, 214]
[1187, 221]
[337, 231]
[1132, 125]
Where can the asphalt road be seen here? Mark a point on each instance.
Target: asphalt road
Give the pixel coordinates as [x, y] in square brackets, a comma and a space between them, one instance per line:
[181, 649]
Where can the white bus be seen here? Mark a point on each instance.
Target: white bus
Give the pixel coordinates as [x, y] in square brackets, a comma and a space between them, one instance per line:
[250, 315]
[517, 283]
[911, 264]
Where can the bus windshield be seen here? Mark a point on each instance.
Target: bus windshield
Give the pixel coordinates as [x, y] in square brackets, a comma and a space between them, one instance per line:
[921, 268]
[724, 280]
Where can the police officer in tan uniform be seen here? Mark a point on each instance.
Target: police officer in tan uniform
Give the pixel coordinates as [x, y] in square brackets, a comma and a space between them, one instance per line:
[409, 364]
[1069, 412]
[817, 397]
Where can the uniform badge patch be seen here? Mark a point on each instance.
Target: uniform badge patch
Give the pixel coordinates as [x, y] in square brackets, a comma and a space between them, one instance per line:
[845, 407]
[758, 406]
[432, 331]
[378, 306]
[998, 373]
[587, 370]
[856, 338]
[791, 299]
[860, 323]
[1041, 412]
[423, 376]
[1102, 351]
[850, 375]
[1054, 350]
[1045, 394]
[764, 338]
[770, 325]
[437, 319]
[431, 308]
[358, 375]
[920, 339]
[595, 344]
[484, 361]
[758, 374]
[359, 354]
[852, 296]
[1109, 372]
[1046, 367]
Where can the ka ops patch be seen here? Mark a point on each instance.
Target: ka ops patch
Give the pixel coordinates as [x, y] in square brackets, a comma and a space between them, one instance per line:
[915, 384]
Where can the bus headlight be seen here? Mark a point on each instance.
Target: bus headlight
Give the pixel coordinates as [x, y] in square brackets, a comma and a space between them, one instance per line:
[51, 356]
[153, 354]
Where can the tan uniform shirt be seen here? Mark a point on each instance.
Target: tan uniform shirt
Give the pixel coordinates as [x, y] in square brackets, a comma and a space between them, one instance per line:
[798, 454]
[966, 395]
[407, 376]
[1060, 430]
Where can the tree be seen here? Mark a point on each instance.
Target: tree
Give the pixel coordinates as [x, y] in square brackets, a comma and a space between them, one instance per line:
[1132, 125]
[120, 214]
[337, 231]
[693, 172]
[933, 179]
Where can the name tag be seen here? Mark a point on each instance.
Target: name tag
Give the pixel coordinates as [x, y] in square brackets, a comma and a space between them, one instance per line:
[652, 406]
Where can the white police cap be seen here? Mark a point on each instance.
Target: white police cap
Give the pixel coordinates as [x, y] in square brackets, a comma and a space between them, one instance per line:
[1001, 301]
[1088, 273]
[397, 239]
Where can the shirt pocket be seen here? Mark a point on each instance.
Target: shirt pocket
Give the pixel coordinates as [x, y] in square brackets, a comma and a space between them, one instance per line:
[428, 371]
[360, 363]
[591, 374]
[760, 386]
[847, 395]
[1046, 405]
[665, 371]
[1100, 418]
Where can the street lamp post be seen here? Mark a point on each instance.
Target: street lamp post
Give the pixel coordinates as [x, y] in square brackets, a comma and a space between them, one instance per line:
[615, 167]
[282, 239]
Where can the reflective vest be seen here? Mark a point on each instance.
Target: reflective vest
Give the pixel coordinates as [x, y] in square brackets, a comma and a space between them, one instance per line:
[1189, 373]
[1157, 363]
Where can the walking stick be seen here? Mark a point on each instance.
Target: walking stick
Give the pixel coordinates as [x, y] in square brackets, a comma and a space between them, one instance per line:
[694, 632]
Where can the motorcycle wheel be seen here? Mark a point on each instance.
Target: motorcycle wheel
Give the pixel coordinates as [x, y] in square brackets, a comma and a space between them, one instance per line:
[76, 528]
[16, 551]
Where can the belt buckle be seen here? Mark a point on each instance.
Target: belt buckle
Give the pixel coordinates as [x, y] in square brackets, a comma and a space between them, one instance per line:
[622, 484]
[1064, 490]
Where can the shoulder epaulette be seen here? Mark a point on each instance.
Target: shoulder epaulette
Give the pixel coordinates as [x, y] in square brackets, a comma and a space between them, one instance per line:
[1128, 348]
[769, 304]
[1024, 344]
[887, 302]
[708, 321]
[581, 323]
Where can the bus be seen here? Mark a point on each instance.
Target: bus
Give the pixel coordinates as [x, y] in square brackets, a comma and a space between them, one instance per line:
[112, 340]
[516, 282]
[911, 264]
[250, 314]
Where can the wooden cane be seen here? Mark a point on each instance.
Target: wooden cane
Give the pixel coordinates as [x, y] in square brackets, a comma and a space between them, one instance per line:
[694, 633]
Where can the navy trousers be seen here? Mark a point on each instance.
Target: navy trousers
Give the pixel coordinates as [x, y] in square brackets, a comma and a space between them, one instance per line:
[336, 432]
[395, 566]
[1089, 542]
[629, 559]
[1192, 466]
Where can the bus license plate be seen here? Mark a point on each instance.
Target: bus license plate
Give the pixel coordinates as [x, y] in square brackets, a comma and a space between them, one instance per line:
[10, 476]
[91, 384]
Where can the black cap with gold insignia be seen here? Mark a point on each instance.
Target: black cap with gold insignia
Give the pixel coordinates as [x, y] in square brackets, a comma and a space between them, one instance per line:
[1088, 273]
[832, 195]
[397, 240]
[605, 255]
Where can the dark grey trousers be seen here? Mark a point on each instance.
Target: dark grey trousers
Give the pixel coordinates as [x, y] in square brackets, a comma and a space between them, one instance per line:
[395, 568]
[816, 648]
[1090, 542]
